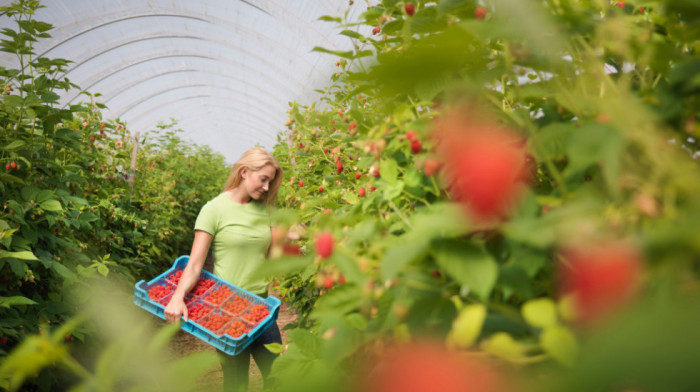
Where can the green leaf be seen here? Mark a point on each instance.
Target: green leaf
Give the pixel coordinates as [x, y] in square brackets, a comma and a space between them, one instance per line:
[440, 220]
[550, 141]
[356, 321]
[540, 313]
[22, 255]
[392, 191]
[62, 270]
[161, 339]
[402, 254]
[468, 264]
[338, 301]
[328, 18]
[305, 342]
[51, 205]
[102, 269]
[353, 34]
[389, 170]
[275, 348]
[560, 343]
[348, 54]
[6, 302]
[43, 195]
[348, 266]
[14, 145]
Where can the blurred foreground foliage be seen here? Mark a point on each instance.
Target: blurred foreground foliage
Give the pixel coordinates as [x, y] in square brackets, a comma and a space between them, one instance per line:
[590, 282]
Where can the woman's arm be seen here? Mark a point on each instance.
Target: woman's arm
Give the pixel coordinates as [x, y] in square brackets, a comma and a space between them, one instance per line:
[200, 247]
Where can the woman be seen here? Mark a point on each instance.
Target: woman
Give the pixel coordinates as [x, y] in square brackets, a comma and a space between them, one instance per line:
[236, 224]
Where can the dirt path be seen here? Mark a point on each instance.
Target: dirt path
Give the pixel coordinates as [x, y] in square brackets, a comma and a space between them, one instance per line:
[184, 344]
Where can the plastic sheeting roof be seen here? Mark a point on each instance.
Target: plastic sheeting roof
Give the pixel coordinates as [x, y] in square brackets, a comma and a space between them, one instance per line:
[224, 69]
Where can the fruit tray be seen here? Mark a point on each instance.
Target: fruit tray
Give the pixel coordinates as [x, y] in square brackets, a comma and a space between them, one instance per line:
[220, 313]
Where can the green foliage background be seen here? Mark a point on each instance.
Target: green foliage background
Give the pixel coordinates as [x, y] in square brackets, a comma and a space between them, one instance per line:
[68, 211]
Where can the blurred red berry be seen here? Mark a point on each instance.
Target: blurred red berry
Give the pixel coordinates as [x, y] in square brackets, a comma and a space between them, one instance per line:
[480, 13]
[328, 282]
[431, 166]
[291, 249]
[341, 279]
[339, 167]
[621, 4]
[301, 183]
[484, 163]
[324, 244]
[301, 145]
[352, 127]
[376, 30]
[320, 189]
[372, 188]
[410, 9]
[361, 192]
[8, 167]
[601, 278]
[357, 176]
[13, 165]
[411, 135]
[416, 146]
[429, 366]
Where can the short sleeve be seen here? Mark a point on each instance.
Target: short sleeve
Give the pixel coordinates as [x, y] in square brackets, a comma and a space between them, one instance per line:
[207, 220]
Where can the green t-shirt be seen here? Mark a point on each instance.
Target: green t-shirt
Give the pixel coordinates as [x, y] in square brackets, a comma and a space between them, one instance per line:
[241, 239]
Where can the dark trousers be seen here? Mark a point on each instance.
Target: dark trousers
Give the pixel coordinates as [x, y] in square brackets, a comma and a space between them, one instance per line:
[235, 367]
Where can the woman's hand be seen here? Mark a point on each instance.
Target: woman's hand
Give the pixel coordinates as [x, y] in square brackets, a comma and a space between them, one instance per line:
[176, 308]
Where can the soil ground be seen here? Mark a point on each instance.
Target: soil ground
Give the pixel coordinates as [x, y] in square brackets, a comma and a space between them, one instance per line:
[184, 344]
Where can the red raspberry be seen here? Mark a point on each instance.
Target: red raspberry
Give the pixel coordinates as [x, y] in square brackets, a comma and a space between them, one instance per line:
[324, 244]
[416, 146]
[601, 278]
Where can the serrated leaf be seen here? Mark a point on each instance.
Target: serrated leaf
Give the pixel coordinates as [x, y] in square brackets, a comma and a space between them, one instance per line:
[400, 255]
[102, 269]
[468, 264]
[392, 191]
[51, 205]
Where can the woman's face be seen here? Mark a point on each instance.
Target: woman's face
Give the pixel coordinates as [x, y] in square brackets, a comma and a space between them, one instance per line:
[257, 183]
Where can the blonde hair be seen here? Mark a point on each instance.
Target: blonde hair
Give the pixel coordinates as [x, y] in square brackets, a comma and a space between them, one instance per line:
[255, 159]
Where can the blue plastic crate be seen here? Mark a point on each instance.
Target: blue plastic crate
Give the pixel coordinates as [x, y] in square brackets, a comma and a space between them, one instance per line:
[226, 343]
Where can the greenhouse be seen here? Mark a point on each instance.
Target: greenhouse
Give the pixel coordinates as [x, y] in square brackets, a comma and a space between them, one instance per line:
[363, 195]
